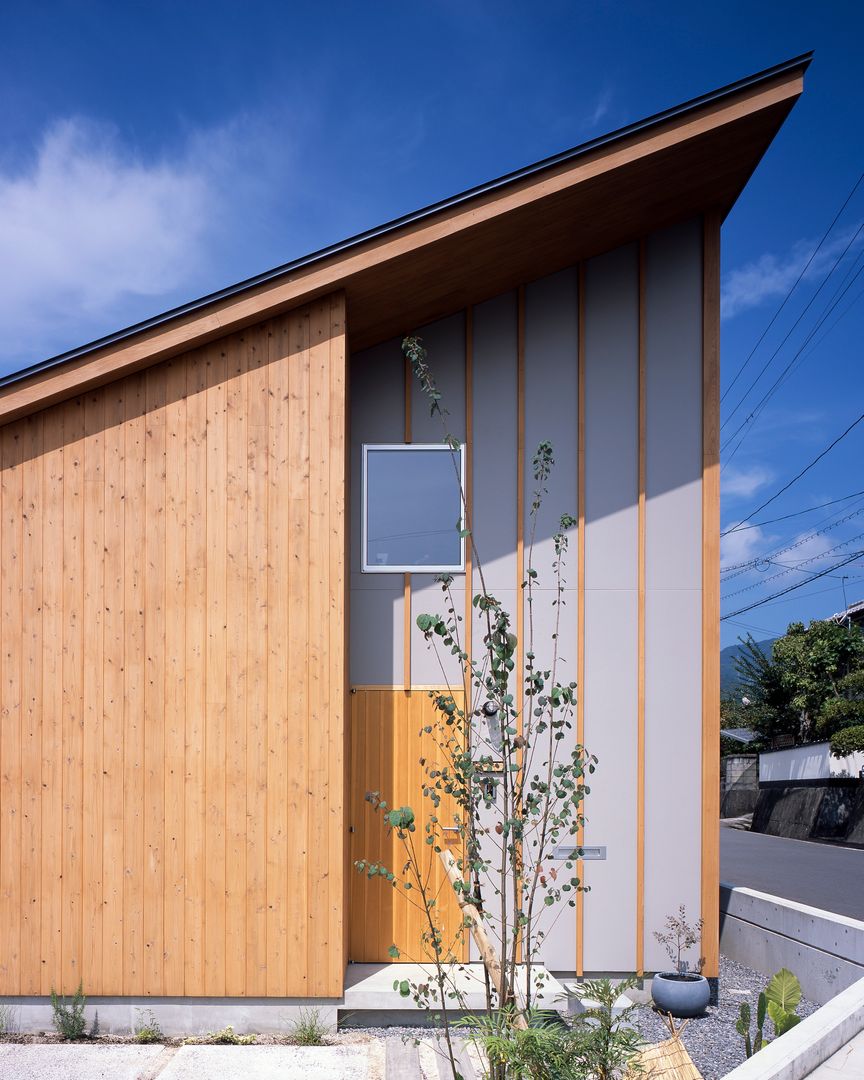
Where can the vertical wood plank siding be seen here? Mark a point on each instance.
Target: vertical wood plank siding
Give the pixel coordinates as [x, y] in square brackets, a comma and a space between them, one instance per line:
[172, 675]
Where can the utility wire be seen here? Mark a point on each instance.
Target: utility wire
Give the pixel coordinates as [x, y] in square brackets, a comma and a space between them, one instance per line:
[798, 513]
[794, 362]
[794, 479]
[796, 568]
[792, 328]
[753, 564]
[799, 584]
[786, 298]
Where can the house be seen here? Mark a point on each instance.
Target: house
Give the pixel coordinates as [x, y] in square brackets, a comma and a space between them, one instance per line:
[209, 649]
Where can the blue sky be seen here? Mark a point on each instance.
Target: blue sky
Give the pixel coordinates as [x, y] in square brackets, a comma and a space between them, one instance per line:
[150, 153]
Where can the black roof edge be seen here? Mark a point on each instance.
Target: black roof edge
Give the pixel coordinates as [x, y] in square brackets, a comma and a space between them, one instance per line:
[417, 215]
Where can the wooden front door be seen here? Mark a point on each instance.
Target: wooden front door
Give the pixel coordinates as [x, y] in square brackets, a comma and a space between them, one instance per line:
[386, 746]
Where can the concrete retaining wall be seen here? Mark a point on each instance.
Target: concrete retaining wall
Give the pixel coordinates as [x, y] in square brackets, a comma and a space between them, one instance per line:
[739, 784]
[812, 810]
[179, 1016]
[825, 951]
[797, 1053]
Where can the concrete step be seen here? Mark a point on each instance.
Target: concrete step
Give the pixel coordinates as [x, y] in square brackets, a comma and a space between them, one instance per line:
[371, 1000]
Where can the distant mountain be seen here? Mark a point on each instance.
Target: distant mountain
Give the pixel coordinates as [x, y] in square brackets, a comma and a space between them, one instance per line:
[728, 674]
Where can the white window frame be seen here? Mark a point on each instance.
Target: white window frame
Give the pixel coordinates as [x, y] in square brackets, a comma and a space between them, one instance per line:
[458, 568]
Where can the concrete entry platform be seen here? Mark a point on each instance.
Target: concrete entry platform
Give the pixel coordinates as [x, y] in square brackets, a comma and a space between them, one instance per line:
[370, 998]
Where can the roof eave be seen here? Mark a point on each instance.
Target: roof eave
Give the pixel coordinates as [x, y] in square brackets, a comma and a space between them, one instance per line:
[219, 313]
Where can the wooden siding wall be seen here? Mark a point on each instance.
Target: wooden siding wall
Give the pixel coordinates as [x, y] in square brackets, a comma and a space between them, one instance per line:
[172, 675]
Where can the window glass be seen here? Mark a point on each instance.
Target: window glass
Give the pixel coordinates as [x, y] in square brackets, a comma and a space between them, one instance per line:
[412, 509]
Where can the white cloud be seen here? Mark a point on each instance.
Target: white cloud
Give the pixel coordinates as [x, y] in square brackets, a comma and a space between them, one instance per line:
[772, 276]
[742, 483]
[88, 224]
[742, 546]
[600, 110]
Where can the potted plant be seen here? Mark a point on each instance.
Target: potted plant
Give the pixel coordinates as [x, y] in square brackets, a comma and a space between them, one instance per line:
[683, 992]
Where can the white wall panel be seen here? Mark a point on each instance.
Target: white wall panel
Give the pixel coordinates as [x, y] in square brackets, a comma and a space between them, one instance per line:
[551, 411]
[611, 547]
[673, 568]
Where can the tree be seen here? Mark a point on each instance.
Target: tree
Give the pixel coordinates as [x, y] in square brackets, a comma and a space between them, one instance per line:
[764, 705]
[808, 669]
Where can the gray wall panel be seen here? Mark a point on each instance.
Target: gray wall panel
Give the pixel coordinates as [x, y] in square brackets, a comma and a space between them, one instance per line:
[551, 413]
[376, 635]
[494, 456]
[611, 547]
[377, 415]
[445, 343]
[673, 567]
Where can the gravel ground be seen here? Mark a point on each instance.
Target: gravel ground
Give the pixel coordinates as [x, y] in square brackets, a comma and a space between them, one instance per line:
[712, 1041]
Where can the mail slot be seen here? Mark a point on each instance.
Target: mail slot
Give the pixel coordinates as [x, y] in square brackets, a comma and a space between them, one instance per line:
[566, 854]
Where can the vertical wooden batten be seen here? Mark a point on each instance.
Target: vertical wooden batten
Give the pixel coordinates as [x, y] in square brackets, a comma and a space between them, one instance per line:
[640, 635]
[468, 643]
[711, 592]
[580, 588]
[406, 628]
[520, 498]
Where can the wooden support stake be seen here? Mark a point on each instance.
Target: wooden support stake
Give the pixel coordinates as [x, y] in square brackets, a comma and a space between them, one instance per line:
[487, 952]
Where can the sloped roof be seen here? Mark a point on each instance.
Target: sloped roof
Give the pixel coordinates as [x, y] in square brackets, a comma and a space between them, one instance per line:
[688, 160]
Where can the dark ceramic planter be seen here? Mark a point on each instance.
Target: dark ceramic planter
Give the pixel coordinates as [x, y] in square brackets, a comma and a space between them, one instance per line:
[681, 995]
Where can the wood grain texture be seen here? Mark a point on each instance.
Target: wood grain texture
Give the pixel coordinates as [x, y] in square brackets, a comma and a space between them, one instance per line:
[172, 675]
[711, 593]
[388, 742]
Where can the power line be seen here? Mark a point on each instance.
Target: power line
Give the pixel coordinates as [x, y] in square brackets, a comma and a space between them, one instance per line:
[791, 588]
[796, 567]
[786, 298]
[798, 513]
[795, 478]
[796, 360]
[752, 564]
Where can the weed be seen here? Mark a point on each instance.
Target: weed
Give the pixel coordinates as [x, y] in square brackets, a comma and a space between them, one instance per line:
[308, 1029]
[147, 1028]
[68, 1018]
[8, 1020]
[226, 1037]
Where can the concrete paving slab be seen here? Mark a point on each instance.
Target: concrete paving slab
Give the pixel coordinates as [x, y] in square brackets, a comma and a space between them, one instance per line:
[267, 1063]
[72, 1061]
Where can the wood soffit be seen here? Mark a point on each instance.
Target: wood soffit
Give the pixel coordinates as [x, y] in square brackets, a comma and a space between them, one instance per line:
[695, 161]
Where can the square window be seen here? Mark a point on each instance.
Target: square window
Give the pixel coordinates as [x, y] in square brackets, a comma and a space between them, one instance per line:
[412, 509]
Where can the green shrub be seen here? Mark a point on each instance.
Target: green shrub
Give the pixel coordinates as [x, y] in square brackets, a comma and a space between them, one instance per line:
[68, 1018]
[837, 714]
[147, 1028]
[778, 1003]
[308, 1029]
[852, 685]
[848, 741]
[600, 1045]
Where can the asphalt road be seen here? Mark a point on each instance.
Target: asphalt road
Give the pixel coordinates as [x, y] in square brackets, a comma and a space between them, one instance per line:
[826, 876]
